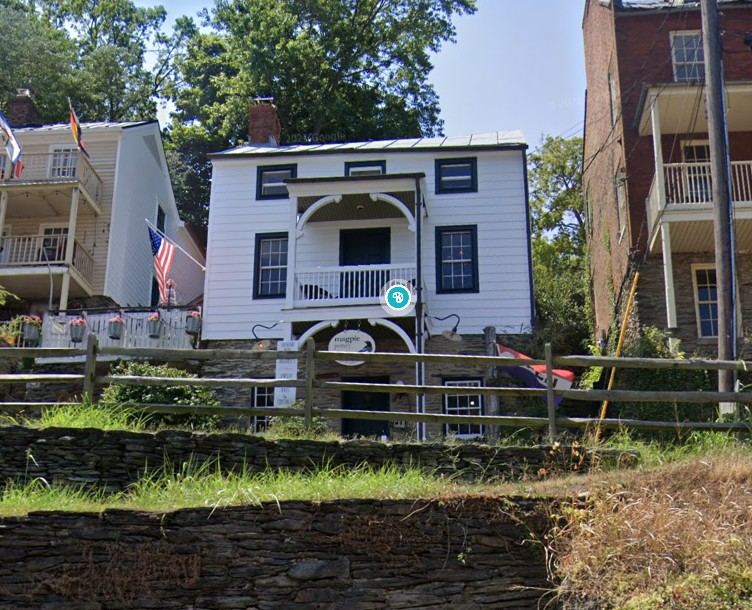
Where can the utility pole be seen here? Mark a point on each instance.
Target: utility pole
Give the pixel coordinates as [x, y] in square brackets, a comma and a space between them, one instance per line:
[720, 176]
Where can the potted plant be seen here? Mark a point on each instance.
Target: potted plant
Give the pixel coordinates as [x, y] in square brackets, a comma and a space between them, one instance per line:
[32, 329]
[116, 327]
[77, 329]
[193, 322]
[154, 325]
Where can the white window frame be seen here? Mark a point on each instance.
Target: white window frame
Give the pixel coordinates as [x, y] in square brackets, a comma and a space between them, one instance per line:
[476, 383]
[613, 96]
[64, 171]
[620, 188]
[675, 64]
[259, 423]
[696, 298]
[43, 227]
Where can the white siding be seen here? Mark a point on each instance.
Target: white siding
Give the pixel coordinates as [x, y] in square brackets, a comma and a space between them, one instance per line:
[498, 209]
[143, 184]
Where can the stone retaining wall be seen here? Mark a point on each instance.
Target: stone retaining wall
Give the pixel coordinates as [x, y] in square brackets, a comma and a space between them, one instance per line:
[350, 555]
[112, 460]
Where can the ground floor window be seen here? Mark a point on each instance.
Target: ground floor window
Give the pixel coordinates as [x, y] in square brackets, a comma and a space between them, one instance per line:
[261, 398]
[465, 403]
[706, 300]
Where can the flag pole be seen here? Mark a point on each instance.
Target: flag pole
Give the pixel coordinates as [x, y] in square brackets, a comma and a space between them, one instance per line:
[161, 234]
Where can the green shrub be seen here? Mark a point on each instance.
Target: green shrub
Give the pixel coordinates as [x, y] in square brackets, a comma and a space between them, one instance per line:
[170, 395]
[293, 426]
[653, 343]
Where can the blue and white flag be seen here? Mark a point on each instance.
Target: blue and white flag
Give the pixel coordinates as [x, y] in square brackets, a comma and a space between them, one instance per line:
[12, 147]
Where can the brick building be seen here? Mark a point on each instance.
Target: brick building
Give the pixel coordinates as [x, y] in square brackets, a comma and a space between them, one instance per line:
[646, 163]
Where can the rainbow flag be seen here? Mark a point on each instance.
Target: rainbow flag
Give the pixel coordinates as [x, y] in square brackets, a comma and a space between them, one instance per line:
[76, 129]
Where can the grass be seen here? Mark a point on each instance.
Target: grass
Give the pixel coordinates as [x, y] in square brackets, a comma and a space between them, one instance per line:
[87, 415]
[208, 486]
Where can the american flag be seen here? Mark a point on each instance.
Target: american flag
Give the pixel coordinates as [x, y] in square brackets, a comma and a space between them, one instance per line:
[163, 252]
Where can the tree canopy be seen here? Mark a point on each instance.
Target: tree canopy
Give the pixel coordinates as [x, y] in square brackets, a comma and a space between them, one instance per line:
[559, 244]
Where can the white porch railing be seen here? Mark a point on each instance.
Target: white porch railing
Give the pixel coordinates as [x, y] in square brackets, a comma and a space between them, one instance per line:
[56, 331]
[349, 285]
[690, 183]
[62, 165]
[33, 250]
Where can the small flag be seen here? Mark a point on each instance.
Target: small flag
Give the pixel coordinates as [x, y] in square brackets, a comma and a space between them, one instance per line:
[76, 129]
[12, 147]
[164, 253]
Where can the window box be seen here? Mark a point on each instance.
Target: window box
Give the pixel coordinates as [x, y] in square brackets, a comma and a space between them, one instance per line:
[456, 175]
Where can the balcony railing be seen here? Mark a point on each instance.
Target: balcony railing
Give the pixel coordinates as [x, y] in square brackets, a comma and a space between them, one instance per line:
[349, 285]
[61, 165]
[32, 250]
[172, 329]
[691, 184]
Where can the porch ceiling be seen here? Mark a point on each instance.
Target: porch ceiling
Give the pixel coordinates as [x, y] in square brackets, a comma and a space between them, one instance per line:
[37, 200]
[687, 237]
[682, 108]
[33, 283]
[357, 207]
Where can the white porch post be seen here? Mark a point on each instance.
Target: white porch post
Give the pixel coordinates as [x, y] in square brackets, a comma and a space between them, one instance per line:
[69, 246]
[292, 242]
[660, 182]
[3, 211]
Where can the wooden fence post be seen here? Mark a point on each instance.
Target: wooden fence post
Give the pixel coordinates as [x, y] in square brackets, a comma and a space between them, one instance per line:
[90, 366]
[310, 375]
[550, 396]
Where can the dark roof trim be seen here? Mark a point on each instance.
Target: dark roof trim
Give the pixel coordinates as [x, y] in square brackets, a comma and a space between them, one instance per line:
[652, 8]
[377, 151]
[382, 177]
[142, 124]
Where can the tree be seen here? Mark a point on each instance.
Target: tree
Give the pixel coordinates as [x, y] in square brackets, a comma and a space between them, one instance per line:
[338, 70]
[560, 263]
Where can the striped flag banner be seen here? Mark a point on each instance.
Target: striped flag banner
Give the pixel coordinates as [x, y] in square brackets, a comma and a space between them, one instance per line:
[164, 253]
[76, 129]
[12, 147]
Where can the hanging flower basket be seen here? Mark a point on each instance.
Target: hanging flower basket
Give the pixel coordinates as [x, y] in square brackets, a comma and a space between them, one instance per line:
[32, 329]
[77, 329]
[116, 328]
[193, 323]
[154, 328]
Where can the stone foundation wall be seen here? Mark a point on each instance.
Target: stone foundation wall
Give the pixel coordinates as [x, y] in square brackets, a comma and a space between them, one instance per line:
[351, 555]
[112, 460]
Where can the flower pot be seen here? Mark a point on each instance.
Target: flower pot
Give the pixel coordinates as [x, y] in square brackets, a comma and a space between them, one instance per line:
[192, 325]
[31, 334]
[154, 327]
[77, 333]
[115, 330]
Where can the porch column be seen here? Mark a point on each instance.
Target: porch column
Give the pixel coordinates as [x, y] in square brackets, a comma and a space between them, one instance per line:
[668, 281]
[660, 175]
[70, 243]
[292, 241]
[420, 367]
[3, 211]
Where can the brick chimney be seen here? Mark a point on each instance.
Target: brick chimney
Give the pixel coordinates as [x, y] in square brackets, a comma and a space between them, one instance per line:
[264, 128]
[22, 111]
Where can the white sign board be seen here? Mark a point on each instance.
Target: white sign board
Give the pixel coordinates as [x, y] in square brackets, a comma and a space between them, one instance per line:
[285, 369]
[352, 341]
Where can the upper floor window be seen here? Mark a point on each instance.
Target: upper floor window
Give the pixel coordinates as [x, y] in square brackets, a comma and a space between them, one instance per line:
[271, 266]
[688, 57]
[365, 168]
[457, 259]
[270, 181]
[64, 162]
[620, 185]
[613, 95]
[457, 175]
[706, 300]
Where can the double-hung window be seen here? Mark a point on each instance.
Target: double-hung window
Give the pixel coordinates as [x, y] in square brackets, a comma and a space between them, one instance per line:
[688, 57]
[270, 181]
[271, 266]
[457, 259]
[456, 175]
[365, 168]
[466, 403]
[261, 398]
[64, 162]
[706, 300]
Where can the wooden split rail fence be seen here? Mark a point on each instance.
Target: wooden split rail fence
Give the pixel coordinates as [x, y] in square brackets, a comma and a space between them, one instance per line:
[89, 380]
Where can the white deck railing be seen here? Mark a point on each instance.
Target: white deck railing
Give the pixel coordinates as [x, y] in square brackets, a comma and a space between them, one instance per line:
[690, 183]
[56, 330]
[57, 166]
[33, 250]
[349, 285]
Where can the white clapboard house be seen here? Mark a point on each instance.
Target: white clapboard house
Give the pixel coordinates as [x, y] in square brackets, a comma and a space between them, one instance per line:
[302, 238]
[74, 236]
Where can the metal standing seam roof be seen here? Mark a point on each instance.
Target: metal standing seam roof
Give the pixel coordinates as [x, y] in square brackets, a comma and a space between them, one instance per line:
[496, 139]
[102, 125]
[660, 4]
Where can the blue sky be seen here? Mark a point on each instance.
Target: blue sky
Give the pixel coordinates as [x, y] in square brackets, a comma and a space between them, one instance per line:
[517, 64]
